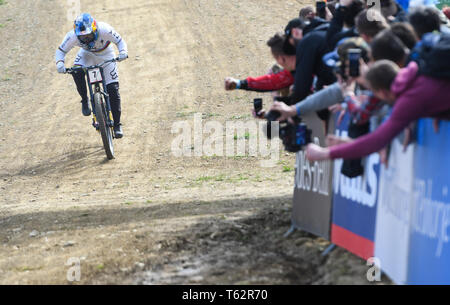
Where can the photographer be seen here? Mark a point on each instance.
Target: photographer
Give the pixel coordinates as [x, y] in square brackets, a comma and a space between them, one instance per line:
[332, 94]
[310, 50]
[269, 82]
[412, 95]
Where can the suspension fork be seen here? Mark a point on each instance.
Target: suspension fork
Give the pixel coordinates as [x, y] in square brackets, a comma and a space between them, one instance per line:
[91, 93]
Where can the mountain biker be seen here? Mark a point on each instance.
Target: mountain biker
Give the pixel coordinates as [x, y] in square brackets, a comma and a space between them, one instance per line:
[95, 38]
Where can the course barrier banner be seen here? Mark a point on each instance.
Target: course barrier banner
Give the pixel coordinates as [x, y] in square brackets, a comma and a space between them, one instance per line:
[429, 246]
[354, 204]
[392, 225]
[313, 189]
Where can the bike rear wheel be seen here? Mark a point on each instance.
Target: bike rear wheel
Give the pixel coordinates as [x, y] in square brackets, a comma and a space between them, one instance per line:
[105, 130]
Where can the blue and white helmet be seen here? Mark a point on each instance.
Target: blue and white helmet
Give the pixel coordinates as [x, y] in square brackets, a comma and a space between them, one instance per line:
[86, 29]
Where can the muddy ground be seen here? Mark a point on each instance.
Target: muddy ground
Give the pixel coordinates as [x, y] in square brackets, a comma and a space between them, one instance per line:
[146, 217]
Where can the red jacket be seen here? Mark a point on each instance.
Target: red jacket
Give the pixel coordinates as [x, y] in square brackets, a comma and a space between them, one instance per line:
[269, 82]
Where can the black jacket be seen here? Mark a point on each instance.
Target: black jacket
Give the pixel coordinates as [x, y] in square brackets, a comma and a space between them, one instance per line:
[310, 51]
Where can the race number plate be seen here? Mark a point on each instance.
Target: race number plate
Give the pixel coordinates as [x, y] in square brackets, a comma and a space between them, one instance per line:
[95, 76]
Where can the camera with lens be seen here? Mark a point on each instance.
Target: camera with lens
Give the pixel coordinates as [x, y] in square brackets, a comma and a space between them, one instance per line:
[294, 135]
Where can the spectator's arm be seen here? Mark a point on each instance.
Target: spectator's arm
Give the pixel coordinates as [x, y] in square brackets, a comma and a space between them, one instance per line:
[321, 99]
[336, 25]
[269, 82]
[406, 111]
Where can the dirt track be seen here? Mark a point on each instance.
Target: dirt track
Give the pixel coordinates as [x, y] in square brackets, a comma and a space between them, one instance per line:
[146, 217]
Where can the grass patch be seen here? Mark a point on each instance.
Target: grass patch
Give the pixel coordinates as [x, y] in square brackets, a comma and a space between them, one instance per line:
[246, 136]
[27, 268]
[220, 178]
[209, 115]
[204, 179]
[100, 267]
[287, 169]
[183, 114]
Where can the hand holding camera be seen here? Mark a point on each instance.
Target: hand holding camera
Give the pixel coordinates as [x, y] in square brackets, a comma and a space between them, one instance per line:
[294, 134]
[284, 110]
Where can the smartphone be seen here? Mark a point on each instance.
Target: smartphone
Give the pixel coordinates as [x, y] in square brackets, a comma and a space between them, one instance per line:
[320, 9]
[353, 62]
[258, 105]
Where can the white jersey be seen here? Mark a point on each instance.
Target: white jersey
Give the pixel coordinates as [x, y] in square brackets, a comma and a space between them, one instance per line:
[106, 36]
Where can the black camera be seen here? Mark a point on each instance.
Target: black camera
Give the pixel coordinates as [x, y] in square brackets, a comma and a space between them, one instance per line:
[258, 106]
[321, 9]
[354, 56]
[294, 135]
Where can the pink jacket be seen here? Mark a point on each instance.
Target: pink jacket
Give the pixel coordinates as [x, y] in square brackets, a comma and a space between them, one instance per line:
[418, 96]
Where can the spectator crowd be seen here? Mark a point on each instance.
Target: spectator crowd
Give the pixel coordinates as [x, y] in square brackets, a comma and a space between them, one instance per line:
[401, 73]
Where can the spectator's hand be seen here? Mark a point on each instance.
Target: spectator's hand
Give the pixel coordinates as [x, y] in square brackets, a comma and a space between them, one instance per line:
[316, 153]
[338, 108]
[231, 83]
[259, 115]
[285, 110]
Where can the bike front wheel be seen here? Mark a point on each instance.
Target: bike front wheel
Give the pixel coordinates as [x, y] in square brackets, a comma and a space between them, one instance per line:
[105, 130]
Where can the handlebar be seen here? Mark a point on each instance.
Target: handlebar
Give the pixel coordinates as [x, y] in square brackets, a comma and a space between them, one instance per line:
[73, 69]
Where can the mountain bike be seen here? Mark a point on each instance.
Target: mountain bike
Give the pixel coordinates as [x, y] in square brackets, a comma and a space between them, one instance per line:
[101, 109]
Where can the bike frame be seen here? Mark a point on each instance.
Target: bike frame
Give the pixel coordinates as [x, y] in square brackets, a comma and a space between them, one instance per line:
[94, 87]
